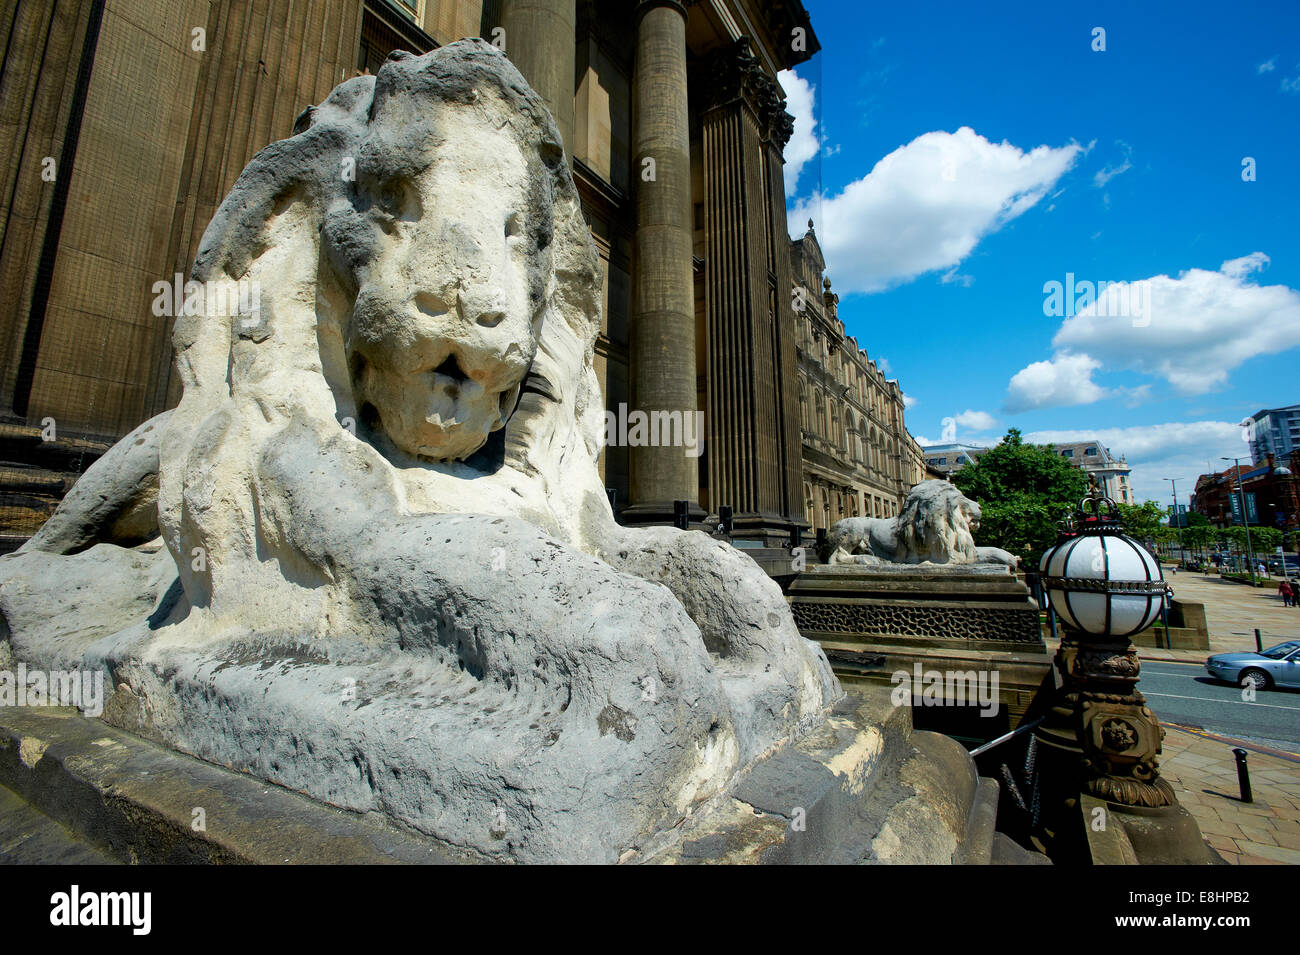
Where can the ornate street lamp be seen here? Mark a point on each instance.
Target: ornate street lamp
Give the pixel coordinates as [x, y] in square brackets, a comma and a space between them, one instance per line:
[1104, 588]
[1100, 739]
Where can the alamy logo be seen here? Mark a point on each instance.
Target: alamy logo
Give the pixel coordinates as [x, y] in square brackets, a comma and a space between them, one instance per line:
[177, 297]
[946, 688]
[24, 687]
[75, 907]
[655, 429]
[1103, 299]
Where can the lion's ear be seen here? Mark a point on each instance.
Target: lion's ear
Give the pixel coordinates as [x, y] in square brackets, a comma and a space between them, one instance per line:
[276, 352]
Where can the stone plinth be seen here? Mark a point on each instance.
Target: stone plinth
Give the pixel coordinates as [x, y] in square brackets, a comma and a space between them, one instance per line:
[945, 617]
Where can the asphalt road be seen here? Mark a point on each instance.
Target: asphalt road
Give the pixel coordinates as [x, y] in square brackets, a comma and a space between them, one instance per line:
[1184, 693]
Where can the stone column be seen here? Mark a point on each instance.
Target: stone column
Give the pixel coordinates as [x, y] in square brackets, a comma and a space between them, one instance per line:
[755, 448]
[540, 41]
[663, 319]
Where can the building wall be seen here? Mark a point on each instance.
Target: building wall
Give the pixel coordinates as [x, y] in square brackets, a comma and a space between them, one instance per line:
[858, 458]
[156, 130]
[165, 123]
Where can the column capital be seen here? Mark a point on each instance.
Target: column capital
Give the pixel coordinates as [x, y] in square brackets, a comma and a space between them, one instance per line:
[734, 73]
[645, 6]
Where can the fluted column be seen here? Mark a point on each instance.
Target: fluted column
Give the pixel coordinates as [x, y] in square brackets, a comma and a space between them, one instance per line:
[663, 320]
[755, 450]
[540, 41]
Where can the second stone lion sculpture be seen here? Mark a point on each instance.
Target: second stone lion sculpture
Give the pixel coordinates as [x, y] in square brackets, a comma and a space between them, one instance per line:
[936, 525]
[389, 575]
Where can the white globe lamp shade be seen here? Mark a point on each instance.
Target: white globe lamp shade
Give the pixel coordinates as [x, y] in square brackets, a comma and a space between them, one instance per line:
[1100, 581]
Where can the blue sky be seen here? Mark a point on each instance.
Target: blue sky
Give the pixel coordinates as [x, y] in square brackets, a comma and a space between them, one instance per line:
[957, 157]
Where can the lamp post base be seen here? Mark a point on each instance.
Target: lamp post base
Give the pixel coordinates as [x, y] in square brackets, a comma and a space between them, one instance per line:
[1103, 800]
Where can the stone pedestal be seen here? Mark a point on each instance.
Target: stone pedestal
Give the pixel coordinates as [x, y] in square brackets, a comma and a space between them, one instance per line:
[1103, 800]
[943, 617]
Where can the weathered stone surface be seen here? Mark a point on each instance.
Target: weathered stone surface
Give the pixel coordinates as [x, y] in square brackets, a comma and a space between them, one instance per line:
[391, 577]
[116, 500]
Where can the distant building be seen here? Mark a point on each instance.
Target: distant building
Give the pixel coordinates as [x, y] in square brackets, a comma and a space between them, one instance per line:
[1111, 473]
[858, 459]
[946, 459]
[1276, 432]
[1271, 492]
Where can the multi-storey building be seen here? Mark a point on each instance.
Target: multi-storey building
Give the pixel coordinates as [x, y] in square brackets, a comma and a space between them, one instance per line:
[858, 458]
[1111, 473]
[1267, 494]
[947, 459]
[1274, 431]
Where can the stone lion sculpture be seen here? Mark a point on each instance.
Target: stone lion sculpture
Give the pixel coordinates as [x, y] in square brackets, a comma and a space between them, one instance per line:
[369, 555]
[935, 526]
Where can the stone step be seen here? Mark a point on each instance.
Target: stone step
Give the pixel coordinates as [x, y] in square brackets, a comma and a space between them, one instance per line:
[865, 789]
[29, 837]
[122, 798]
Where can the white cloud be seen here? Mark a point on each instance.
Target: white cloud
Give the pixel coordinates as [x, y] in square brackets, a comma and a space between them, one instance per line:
[1268, 66]
[976, 420]
[1104, 176]
[1064, 380]
[1179, 450]
[1198, 327]
[909, 401]
[884, 366]
[1291, 85]
[805, 141]
[926, 205]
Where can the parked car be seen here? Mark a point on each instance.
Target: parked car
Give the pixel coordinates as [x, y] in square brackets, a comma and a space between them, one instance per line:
[1276, 666]
[1289, 565]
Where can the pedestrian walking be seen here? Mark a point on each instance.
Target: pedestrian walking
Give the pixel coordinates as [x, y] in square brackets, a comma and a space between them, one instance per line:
[1285, 590]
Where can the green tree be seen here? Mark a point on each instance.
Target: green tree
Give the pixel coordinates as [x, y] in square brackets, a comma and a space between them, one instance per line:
[1198, 537]
[1141, 521]
[1266, 540]
[1024, 491]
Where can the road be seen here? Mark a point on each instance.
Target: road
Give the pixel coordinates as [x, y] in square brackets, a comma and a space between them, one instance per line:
[1184, 693]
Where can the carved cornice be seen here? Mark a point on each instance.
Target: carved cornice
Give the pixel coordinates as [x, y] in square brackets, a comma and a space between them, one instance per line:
[734, 73]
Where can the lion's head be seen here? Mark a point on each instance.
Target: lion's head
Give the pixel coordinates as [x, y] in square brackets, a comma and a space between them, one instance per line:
[937, 524]
[427, 290]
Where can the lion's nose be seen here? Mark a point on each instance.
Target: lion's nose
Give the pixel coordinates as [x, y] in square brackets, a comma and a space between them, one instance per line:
[482, 306]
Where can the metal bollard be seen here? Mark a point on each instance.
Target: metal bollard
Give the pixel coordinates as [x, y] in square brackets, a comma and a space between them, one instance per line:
[1243, 776]
[1259, 646]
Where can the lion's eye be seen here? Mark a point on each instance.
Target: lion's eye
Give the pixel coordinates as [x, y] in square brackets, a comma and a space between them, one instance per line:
[393, 199]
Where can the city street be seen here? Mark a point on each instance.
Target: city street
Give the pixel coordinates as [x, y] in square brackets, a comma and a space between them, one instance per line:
[1183, 693]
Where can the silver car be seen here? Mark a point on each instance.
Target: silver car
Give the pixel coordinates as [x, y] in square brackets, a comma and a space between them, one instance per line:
[1276, 666]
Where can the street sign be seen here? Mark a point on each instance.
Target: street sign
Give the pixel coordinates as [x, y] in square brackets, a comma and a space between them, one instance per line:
[1236, 508]
[1251, 515]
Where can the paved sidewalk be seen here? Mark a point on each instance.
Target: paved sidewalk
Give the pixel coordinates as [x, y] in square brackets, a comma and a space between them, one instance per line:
[1232, 612]
[1201, 768]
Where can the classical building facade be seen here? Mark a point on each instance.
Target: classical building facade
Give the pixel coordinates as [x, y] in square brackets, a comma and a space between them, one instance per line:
[858, 458]
[126, 122]
[1113, 475]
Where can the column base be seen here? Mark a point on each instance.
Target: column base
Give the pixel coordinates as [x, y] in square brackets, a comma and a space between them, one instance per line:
[771, 530]
[661, 514]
